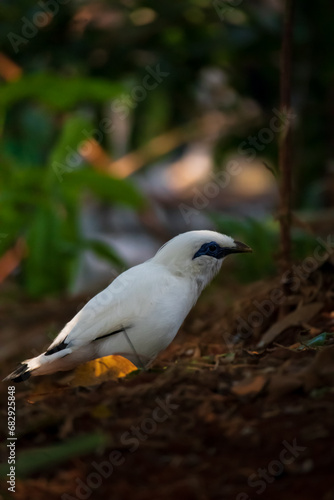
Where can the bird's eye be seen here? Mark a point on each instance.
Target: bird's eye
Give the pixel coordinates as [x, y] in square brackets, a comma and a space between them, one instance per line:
[211, 249]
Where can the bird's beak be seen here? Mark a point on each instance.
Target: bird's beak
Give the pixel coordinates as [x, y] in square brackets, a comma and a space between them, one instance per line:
[241, 248]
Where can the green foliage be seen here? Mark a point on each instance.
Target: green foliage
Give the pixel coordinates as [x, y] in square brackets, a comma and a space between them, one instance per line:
[58, 92]
[263, 237]
[46, 179]
[36, 459]
[105, 187]
[70, 138]
[69, 74]
[317, 341]
[45, 211]
[64, 66]
[42, 203]
[104, 251]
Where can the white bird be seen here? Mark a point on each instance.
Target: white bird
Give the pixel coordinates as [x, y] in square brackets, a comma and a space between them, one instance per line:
[140, 312]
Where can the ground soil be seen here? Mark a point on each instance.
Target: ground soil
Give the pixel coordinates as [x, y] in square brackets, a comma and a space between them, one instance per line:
[216, 417]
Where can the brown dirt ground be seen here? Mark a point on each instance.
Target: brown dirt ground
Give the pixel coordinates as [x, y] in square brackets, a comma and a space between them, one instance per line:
[234, 411]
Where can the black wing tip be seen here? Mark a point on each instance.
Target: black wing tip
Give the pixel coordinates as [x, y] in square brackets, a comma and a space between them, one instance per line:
[21, 373]
[56, 348]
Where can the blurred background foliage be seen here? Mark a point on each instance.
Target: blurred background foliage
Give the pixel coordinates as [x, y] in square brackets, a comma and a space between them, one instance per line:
[65, 66]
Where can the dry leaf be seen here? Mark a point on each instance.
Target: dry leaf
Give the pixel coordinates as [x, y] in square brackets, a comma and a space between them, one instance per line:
[44, 389]
[101, 411]
[321, 371]
[245, 387]
[300, 315]
[295, 345]
[281, 384]
[100, 370]
[12, 258]
[252, 353]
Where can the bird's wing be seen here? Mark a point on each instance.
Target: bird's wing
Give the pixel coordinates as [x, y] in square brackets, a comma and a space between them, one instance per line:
[115, 308]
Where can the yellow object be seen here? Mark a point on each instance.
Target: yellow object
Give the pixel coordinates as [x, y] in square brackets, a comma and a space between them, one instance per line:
[102, 369]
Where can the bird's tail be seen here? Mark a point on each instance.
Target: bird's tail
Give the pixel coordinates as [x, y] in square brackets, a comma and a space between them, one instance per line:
[41, 365]
[21, 373]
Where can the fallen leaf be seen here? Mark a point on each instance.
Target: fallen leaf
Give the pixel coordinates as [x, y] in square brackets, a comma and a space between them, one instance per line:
[44, 389]
[297, 345]
[317, 341]
[101, 411]
[12, 258]
[101, 370]
[321, 371]
[312, 330]
[253, 353]
[300, 315]
[282, 384]
[252, 386]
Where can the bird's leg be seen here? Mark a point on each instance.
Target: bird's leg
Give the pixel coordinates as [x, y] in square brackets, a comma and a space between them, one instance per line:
[140, 363]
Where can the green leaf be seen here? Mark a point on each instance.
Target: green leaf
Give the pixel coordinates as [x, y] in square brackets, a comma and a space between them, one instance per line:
[105, 251]
[105, 187]
[43, 269]
[64, 157]
[272, 169]
[317, 341]
[58, 91]
[34, 460]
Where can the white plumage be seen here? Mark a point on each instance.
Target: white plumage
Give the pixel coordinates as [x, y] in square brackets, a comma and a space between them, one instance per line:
[141, 311]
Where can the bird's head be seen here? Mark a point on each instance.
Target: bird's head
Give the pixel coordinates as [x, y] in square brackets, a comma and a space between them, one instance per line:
[198, 253]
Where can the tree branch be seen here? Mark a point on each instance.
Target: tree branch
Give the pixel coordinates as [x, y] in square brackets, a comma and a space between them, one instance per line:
[285, 145]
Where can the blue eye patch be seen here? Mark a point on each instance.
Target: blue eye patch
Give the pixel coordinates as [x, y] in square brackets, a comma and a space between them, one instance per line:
[212, 249]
